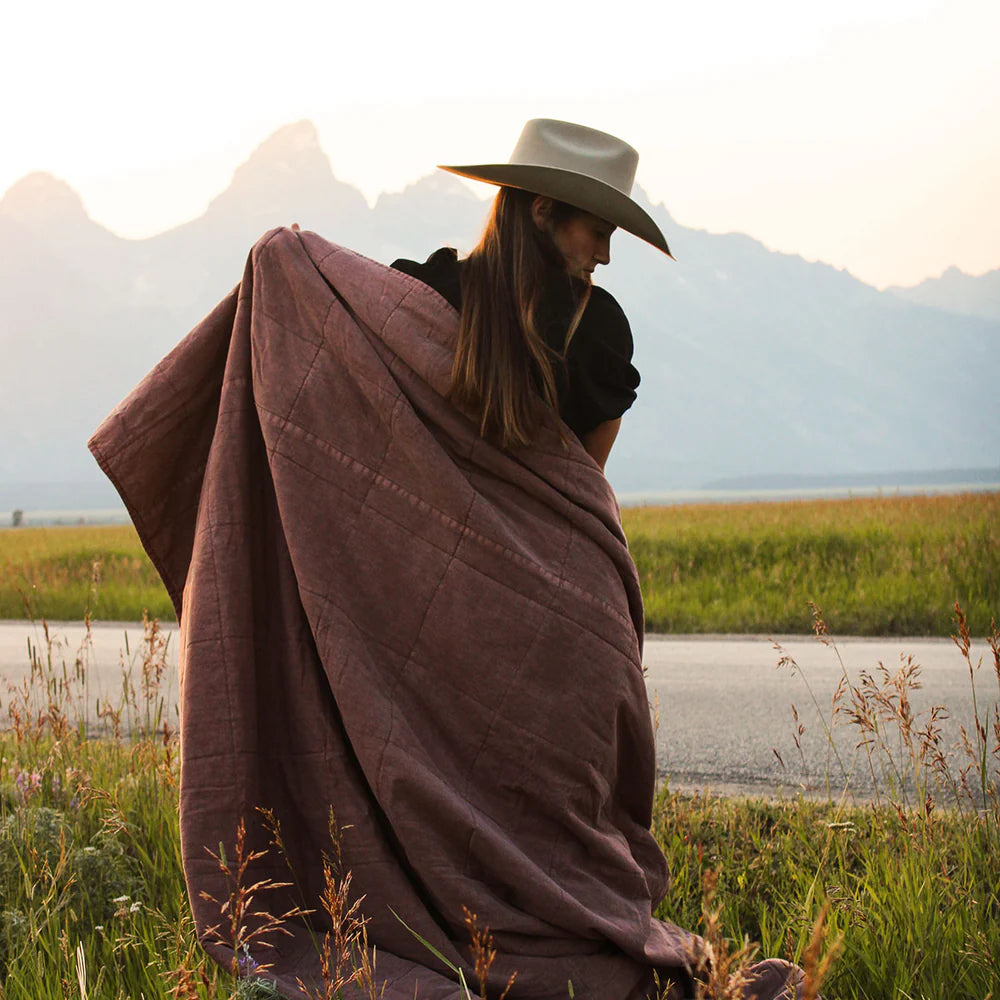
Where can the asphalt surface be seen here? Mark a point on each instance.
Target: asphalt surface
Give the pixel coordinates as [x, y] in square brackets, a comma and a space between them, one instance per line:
[725, 709]
[722, 706]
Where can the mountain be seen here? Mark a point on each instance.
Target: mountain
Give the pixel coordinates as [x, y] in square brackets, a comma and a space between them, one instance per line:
[938, 478]
[753, 362]
[69, 325]
[438, 210]
[759, 362]
[958, 292]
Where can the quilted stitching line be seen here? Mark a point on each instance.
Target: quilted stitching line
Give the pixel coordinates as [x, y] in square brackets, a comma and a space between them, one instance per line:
[385, 482]
[410, 659]
[362, 507]
[286, 420]
[378, 640]
[417, 287]
[525, 659]
[534, 734]
[208, 533]
[294, 331]
[581, 622]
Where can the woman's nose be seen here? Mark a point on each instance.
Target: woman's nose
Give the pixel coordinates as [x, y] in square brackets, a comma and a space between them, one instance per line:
[603, 253]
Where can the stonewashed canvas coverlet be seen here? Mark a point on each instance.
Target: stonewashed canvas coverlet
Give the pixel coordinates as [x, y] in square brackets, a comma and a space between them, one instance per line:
[384, 614]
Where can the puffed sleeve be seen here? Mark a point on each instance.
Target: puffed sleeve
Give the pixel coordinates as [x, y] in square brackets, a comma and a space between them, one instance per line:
[600, 375]
[440, 271]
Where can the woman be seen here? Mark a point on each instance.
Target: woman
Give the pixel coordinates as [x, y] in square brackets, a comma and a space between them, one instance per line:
[531, 323]
[424, 626]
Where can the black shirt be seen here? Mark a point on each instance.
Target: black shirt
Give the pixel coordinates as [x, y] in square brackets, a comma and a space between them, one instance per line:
[598, 382]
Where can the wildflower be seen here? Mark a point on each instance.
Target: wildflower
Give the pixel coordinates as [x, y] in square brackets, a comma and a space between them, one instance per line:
[245, 962]
[27, 784]
[120, 899]
[135, 907]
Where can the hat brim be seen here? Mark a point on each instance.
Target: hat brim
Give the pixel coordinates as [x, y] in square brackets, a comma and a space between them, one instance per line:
[579, 190]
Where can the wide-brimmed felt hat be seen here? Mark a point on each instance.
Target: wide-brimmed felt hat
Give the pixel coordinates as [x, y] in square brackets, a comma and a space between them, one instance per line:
[581, 166]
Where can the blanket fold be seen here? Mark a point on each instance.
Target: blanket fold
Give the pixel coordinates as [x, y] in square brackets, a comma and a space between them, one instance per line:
[391, 626]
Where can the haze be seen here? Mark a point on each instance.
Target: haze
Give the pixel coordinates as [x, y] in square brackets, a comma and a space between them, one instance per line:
[862, 134]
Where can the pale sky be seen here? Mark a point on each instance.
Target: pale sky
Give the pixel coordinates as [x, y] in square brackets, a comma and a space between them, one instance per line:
[863, 133]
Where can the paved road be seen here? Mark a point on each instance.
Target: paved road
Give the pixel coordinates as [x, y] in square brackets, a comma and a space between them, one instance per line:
[90, 667]
[724, 707]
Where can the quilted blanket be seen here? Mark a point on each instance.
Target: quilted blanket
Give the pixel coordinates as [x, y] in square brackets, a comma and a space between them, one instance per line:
[403, 650]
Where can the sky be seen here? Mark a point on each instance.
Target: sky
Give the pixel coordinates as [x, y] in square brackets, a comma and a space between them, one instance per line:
[864, 133]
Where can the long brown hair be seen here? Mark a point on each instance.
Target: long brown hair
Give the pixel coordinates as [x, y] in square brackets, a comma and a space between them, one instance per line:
[502, 362]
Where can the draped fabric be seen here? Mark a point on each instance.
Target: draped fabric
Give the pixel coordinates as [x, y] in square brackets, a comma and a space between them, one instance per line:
[392, 627]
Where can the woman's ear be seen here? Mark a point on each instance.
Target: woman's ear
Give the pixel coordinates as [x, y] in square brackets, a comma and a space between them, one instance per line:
[541, 211]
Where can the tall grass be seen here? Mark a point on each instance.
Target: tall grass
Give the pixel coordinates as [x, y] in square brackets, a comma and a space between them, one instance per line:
[908, 885]
[56, 573]
[902, 891]
[93, 898]
[890, 566]
[878, 566]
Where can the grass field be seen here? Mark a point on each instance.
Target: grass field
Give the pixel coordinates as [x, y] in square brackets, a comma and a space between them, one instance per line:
[890, 566]
[906, 902]
[875, 566]
[61, 572]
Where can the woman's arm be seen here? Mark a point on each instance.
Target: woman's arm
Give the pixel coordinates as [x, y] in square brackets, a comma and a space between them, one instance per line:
[598, 442]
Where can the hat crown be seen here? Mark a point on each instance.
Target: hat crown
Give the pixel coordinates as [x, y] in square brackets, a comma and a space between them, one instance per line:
[581, 166]
[548, 142]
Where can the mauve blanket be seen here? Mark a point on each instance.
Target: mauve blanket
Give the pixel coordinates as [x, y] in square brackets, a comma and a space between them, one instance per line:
[384, 615]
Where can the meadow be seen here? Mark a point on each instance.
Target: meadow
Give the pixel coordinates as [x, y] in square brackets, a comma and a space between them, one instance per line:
[897, 897]
[59, 573]
[885, 566]
[892, 566]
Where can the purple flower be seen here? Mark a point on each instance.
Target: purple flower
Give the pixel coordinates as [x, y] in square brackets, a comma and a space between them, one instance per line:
[27, 784]
[246, 963]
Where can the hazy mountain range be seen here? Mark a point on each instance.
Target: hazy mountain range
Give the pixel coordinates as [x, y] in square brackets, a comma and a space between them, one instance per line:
[754, 363]
[958, 292]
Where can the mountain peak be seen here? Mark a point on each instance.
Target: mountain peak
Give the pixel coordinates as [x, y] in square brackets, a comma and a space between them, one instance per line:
[286, 176]
[642, 199]
[957, 291]
[39, 198]
[438, 188]
[293, 142]
[292, 155]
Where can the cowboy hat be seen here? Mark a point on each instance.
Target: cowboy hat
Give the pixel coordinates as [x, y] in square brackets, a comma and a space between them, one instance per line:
[581, 166]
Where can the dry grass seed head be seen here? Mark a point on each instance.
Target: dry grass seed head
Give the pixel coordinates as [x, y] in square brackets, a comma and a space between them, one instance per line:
[818, 957]
[718, 971]
[248, 929]
[483, 953]
[819, 627]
